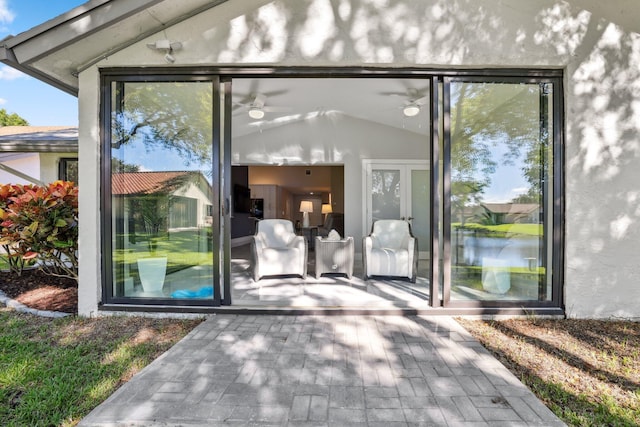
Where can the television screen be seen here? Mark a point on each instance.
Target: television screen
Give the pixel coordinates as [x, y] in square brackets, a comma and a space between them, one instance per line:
[241, 199]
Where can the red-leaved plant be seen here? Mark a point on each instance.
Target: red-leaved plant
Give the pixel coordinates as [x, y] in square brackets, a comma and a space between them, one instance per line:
[41, 223]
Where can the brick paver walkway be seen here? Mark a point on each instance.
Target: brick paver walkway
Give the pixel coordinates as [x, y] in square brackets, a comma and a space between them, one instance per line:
[324, 371]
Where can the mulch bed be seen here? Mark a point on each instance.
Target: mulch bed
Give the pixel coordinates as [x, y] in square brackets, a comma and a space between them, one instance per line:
[41, 291]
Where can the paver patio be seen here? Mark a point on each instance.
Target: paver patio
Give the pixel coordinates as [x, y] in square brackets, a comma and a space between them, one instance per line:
[324, 371]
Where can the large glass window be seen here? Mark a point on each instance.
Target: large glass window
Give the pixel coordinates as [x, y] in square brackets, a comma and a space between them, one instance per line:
[501, 163]
[483, 201]
[161, 190]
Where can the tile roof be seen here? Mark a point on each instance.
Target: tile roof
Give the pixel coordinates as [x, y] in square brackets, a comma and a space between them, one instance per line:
[129, 183]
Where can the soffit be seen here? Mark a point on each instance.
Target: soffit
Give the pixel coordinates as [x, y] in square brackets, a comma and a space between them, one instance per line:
[40, 139]
[57, 50]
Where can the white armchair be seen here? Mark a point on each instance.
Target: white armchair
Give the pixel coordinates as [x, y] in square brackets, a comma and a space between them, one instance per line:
[277, 250]
[390, 250]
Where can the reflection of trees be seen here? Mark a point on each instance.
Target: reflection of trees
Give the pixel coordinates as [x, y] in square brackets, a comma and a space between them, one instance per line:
[385, 191]
[484, 115]
[174, 116]
[118, 166]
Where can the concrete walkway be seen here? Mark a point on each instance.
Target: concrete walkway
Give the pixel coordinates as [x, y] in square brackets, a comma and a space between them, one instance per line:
[324, 371]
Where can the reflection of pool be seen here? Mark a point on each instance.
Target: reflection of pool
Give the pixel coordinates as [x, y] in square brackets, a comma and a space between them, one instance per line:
[516, 252]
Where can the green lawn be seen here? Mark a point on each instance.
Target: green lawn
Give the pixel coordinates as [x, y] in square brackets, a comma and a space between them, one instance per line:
[54, 372]
[503, 230]
[183, 249]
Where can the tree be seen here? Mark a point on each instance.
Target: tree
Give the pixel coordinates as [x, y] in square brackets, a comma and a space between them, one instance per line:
[118, 166]
[488, 115]
[13, 119]
[174, 116]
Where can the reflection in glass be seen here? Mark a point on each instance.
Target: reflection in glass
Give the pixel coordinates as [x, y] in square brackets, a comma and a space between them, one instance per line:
[420, 213]
[499, 161]
[161, 195]
[385, 198]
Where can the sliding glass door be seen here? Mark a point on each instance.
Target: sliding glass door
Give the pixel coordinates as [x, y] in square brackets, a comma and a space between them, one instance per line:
[161, 195]
[501, 163]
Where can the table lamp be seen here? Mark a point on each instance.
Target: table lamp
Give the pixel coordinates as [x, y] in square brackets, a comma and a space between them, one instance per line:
[306, 206]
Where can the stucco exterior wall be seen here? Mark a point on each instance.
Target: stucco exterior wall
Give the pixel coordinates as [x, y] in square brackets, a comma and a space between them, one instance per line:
[50, 165]
[28, 164]
[597, 44]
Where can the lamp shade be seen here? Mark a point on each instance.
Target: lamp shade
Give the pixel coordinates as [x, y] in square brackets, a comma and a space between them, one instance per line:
[306, 206]
[326, 208]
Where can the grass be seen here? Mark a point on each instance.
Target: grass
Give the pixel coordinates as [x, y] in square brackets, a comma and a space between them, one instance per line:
[586, 371]
[504, 230]
[54, 372]
[183, 249]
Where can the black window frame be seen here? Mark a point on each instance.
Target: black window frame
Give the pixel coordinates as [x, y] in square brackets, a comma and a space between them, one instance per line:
[141, 75]
[439, 188]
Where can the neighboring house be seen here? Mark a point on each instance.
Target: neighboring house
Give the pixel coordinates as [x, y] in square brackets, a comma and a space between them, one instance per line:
[512, 213]
[178, 199]
[431, 106]
[38, 154]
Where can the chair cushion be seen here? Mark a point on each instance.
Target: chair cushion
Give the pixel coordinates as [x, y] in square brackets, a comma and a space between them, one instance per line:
[389, 262]
[275, 261]
[391, 233]
[276, 233]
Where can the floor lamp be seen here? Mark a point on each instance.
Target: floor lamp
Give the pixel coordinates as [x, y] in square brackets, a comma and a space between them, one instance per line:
[306, 206]
[326, 209]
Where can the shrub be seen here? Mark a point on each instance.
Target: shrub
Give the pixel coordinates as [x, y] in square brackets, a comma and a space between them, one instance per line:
[15, 261]
[41, 223]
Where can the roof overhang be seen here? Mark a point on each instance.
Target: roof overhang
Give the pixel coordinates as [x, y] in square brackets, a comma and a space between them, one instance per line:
[56, 51]
[38, 139]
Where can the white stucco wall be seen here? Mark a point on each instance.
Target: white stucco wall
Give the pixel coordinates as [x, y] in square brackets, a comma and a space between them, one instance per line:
[50, 165]
[596, 43]
[27, 163]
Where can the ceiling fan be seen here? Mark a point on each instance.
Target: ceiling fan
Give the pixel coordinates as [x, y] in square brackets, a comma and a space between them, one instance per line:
[256, 106]
[414, 100]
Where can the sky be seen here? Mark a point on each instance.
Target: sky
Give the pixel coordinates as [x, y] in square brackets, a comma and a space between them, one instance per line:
[39, 103]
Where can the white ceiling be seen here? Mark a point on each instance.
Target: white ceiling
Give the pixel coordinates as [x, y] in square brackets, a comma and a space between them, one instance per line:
[378, 100]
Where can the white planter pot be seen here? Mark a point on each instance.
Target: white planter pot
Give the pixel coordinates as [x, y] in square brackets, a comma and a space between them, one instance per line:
[152, 272]
[496, 277]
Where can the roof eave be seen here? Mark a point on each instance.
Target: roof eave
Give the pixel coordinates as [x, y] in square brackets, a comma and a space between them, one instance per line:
[54, 146]
[32, 39]
[7, 57]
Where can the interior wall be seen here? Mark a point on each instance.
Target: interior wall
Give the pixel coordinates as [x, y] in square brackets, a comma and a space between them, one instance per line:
[332, 138]
[291, 176]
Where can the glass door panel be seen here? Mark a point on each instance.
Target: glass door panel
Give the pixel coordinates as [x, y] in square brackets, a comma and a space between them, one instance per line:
[419, 208]
[385, 194]
[500, 156]
[162, 193]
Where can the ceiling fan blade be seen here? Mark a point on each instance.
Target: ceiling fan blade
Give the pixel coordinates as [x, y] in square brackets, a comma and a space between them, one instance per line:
[393, 93]
[259, 100]
[274, 109]
[422, 101]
